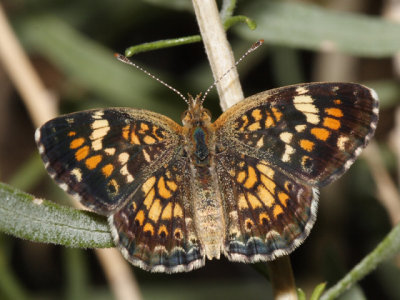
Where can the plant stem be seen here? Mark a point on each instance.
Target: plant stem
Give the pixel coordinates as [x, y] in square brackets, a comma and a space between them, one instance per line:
[282, 279]
[37, 99]
[218, 51]
[230, 92]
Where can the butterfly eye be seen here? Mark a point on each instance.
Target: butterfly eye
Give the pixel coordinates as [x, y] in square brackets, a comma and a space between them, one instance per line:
[186, 116]
[206, 114]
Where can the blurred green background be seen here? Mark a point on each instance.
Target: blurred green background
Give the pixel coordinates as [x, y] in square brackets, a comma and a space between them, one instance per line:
[71, 44]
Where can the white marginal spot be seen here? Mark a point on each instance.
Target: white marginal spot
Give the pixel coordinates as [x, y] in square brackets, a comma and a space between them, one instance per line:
[341, 142]
[41, 149]
[64, 186]
[70, 120]
[304, 104]
[358, 151]
[37, 201]
[109, 151]
[98, 115]
[123, 158]
[160, 248]
[37, 135]
[289, 150]
[77, 173]
[373, 94]
[301, 90]
[300, 128]
[286, 137]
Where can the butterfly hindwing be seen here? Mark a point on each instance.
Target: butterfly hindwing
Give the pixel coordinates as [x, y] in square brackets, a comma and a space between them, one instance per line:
[268, 214]
[101, 156]
[155, 229]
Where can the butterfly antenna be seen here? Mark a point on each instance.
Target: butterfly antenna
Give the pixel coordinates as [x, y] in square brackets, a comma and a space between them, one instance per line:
[125, 60]
[253, 47]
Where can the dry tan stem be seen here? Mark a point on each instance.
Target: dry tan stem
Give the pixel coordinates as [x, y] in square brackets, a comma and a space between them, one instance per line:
[39, 102]
[230, 92]
[387, 190]
[42, 107]
[337, 66]
[282, 280]
[119, 274]
[218, 51]
[391, 11]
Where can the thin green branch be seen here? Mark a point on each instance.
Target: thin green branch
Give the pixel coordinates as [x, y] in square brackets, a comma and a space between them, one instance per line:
[227, 8]
[385, 250]
[162, 44]
[24, 216]
[185, 40]
[319, 289]
[237, 19]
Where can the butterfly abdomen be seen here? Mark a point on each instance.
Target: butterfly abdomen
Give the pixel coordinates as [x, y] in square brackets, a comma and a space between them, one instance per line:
[208, 209]
[206, 199]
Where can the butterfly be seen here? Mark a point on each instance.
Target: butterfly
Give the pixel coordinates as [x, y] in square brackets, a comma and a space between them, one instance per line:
[245, 186]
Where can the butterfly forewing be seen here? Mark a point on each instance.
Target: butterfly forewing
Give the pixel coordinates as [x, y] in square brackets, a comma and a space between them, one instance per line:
[103, 156]
[312, 132]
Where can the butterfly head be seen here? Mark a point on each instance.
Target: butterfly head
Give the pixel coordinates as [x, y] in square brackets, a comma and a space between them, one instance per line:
[196, 115]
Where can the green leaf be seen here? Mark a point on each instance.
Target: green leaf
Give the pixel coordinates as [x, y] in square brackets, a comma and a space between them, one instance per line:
[38, 220]
[316, 294]
[312, 27]
[300, 294]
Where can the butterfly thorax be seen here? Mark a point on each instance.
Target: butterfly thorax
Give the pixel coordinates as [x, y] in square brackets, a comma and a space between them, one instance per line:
[199, 134]
[206, 201]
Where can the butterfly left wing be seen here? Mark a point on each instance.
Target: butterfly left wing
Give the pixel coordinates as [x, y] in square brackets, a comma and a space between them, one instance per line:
[273, 151]
[312, 131]
[128, 164]
[155, 229]
[268, 214]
